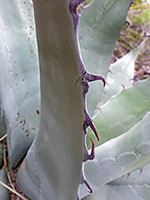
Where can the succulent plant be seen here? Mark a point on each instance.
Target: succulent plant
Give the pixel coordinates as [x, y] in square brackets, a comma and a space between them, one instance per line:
[50, 113]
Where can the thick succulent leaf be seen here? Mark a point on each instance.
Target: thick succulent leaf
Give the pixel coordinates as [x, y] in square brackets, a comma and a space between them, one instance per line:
[121, 155]
[125, 192]
[138, 177]
[121, 112]
[19, 76]
[131, 186]
[99, 28]
[120, 75]
[4, 193]
[52, 167]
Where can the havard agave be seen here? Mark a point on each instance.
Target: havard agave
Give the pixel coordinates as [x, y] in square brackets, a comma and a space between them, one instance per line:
[53, 164]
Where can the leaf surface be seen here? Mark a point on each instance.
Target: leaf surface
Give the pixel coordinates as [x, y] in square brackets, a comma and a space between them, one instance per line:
[122, 112]
[19, 77]
[99, 29]
[121, 75]
[4, 193]
[120, 156]
[131, 186]
[113, 192]
[52, 167]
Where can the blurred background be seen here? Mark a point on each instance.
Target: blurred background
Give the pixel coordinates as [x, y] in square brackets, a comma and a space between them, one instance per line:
[135, 30]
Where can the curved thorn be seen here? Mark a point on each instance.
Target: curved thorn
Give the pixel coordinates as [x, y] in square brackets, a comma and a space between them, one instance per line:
[141, 170]
[92, 155]
[84, 181]
[128, 175]
[78, 198]
[97, 77]
[74, 5]
[88, 186]
[91, 77]
[88, 122]
[94, 130]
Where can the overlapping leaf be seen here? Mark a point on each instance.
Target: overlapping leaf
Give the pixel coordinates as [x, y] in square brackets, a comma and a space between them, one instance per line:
[99, 28]
[130, 186]
[19, 77]
[122, 112]
[117, 192]
[121, 75]
[120, 156]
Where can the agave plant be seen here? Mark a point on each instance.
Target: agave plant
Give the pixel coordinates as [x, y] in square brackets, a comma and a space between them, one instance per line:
[46, 109]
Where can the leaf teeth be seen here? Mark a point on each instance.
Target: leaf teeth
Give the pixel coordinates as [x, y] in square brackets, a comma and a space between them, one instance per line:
[128, 175]
[91, 77]
[87, 77]
[78, 198]
[74, 11]
[88, 122]
[141, 170]
[90, 156]
[84, 181]
[74, 5]
[94, 130]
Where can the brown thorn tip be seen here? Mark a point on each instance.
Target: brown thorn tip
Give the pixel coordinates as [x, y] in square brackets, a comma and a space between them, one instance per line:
[84, 181]
[93, 150]
[88, 186]
[102, 79]
[104, 82]
[94, 130]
